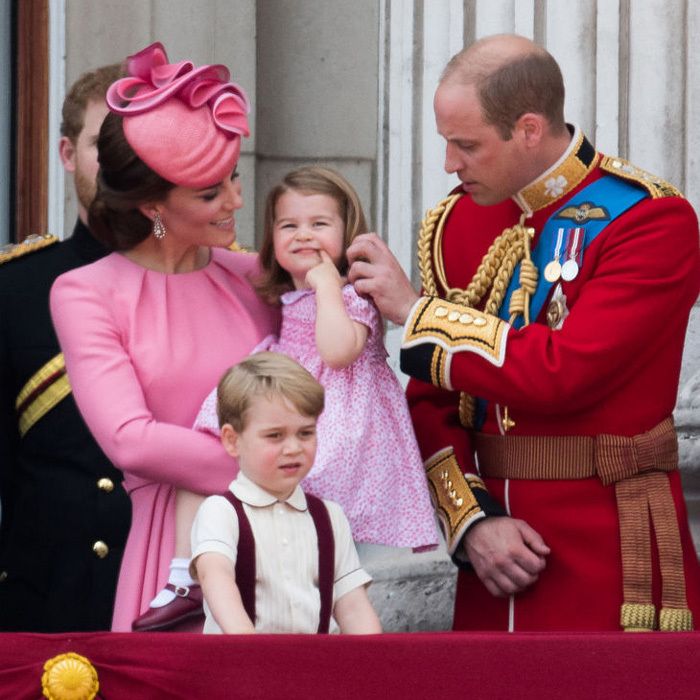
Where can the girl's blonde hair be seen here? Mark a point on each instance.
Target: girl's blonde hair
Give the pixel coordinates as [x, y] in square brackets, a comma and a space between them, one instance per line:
[308, 180]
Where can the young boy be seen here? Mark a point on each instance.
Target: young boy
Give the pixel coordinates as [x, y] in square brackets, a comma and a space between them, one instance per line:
[268, 406]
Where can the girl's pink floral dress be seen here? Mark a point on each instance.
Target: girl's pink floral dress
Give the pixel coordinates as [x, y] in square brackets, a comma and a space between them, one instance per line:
[367, 460]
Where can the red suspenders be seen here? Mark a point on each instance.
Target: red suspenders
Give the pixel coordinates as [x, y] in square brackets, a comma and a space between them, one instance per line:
[245, 558]
[326, 559]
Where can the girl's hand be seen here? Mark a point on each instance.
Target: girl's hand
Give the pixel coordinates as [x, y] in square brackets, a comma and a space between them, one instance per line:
[324, 274]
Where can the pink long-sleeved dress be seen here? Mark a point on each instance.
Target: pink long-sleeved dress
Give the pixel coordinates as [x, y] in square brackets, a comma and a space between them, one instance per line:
[142, 349]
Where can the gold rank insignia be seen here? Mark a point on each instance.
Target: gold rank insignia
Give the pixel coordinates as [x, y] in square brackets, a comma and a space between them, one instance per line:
[454, 328]
[11, 251]
[586, 211]
[654, 185]
[451, 493]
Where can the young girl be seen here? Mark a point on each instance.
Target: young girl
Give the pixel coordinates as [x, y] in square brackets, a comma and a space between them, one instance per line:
[367, 458]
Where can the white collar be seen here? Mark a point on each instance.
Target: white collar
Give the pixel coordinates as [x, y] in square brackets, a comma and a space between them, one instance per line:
[251, 494]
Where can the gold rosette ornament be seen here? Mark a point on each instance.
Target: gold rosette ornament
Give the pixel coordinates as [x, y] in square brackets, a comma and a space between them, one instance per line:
[69, 677]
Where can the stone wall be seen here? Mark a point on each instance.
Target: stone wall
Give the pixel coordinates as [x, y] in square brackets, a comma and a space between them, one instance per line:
[206, 31]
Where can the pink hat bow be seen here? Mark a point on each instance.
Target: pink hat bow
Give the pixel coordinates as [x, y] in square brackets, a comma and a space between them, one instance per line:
[183, 122]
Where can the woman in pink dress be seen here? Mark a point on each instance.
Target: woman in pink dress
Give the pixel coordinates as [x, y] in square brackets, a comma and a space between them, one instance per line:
[149, 329]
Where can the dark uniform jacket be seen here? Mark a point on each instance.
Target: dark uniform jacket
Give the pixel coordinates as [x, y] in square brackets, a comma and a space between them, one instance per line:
[65, 516]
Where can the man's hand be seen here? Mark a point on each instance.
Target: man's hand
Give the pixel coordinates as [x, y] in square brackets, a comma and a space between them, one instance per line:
[507, 554]
[375, 272]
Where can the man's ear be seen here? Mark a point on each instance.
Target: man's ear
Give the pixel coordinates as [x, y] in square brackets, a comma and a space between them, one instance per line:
[229, 439]
[66, 152]
[531, 128]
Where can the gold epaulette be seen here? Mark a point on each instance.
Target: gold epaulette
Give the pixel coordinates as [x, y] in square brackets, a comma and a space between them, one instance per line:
[236, 248]
[655, 186]
[28, 245]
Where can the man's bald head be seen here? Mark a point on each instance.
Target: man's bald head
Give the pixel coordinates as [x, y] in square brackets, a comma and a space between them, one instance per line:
[512, 76]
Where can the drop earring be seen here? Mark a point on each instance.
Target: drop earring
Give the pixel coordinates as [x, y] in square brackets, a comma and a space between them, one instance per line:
[158, 227]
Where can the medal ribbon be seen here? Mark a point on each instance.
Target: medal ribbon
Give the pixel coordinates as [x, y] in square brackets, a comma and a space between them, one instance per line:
[560, 239]
[552, 270]
[574, 249]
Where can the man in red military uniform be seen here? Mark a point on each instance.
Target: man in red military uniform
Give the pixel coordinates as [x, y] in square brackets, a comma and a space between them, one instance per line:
[545, 352]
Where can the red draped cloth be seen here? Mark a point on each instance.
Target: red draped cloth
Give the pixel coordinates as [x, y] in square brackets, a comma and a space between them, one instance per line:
[419, 665]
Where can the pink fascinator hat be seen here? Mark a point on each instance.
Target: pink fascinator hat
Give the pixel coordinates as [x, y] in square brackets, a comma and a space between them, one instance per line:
[185, 123]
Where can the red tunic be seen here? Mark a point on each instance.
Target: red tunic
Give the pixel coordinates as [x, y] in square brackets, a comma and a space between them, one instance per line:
[613, 367]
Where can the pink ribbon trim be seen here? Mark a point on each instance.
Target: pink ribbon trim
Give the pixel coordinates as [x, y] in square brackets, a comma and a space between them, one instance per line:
[152, 81]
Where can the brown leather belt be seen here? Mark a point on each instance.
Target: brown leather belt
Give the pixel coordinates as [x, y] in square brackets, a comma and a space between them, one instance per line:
[635, 465]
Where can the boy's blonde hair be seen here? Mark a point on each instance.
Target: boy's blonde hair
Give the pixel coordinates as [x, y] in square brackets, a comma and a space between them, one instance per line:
[268, 374]
[309, 180]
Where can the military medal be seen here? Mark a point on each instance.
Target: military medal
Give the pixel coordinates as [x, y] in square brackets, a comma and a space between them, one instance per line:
[557, 310]
[552, 270]
[569, 270]
[574, 248]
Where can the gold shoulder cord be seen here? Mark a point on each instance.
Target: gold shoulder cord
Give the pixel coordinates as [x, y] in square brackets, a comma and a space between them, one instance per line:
[495, 272]
[30, 244]
[435, 216]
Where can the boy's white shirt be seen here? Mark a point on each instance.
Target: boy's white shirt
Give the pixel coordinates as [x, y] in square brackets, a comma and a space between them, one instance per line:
[286, 555]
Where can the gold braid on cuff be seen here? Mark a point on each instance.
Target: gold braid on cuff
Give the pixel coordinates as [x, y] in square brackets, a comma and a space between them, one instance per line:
[452, 495]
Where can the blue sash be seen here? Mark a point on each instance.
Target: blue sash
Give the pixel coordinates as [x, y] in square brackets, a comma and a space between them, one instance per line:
[615, 194]
[612, 193]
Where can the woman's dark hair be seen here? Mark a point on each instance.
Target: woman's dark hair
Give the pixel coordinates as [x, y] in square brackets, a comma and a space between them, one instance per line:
[124, 182]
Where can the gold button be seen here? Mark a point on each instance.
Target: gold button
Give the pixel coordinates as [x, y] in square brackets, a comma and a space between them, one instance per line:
[3, 576]
[105, 484]
[101, 549]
